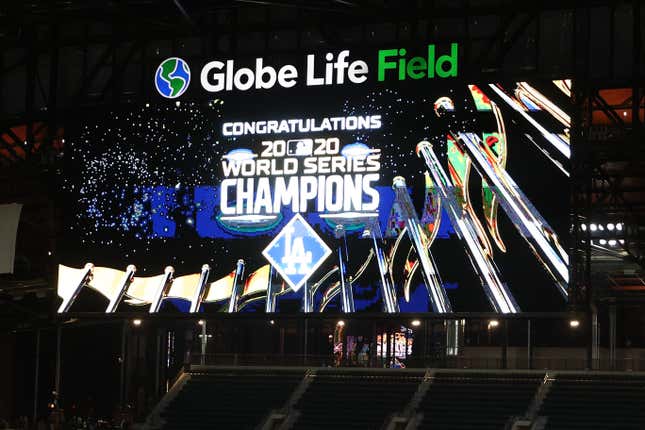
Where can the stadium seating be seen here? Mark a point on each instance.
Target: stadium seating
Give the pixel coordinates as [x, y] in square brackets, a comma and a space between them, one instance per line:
[239, 399]
[356, 400]
[476, 400]
[242, 398]
[595, 402]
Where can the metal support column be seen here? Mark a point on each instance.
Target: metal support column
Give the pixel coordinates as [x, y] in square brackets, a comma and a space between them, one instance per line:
[612, 336]
[636, 59]
[59, 334]
[122, 396]
[452, 337]
[373, 346]
[30, 88]
[305, 342]
[388, 349]
[505, 346]
[343, 341]
[529, 345]
[54, 66]
[595, 339]
[36, 375]
[204, 340]
[158, 359]
[426, 323]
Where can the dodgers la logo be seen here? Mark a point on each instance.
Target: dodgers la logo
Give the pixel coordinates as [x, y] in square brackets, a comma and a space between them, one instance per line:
[296, 252]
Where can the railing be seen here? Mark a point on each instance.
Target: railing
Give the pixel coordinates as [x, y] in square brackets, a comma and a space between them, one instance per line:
[491, 363]
[232, 359]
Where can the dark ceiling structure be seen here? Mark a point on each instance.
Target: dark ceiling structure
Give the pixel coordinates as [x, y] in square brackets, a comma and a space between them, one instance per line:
[60, 57]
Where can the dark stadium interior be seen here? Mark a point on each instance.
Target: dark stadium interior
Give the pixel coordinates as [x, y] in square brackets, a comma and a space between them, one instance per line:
[325, 214]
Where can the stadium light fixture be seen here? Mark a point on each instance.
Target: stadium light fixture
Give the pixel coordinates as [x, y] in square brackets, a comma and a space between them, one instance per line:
[593, 227]
[610, 226]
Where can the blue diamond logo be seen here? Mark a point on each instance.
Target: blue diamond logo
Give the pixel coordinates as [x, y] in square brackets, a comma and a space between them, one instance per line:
[296, 252]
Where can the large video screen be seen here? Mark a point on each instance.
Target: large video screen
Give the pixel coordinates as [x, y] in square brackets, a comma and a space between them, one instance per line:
[373, 195]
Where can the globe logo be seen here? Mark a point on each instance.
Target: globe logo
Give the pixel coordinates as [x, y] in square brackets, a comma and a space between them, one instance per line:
[172, 77]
